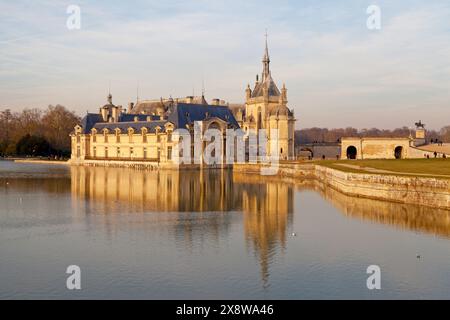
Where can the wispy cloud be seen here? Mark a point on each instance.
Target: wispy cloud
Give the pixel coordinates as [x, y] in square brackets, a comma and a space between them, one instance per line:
[338, 73]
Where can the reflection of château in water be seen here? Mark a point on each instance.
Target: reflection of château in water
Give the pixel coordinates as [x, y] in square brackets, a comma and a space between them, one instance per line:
[267, 207]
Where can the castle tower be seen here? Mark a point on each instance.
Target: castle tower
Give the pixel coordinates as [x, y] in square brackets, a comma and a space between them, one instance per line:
[266, 108]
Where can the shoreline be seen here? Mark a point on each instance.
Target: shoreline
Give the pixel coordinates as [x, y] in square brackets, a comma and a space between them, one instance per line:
[39, 161]
[418, 190]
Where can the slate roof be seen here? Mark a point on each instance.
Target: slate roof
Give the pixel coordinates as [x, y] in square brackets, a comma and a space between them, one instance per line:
[137, 126]
[268, 83]
[89, 120]
[186, 113]
[180, 115]
[127, 117]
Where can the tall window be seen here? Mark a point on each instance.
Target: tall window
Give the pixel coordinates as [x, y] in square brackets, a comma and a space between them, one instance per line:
[95, 152]
[169, 153]
[94, 137]
[158, 137]
[78, 152]
[117, 136]
[78, 138]
[130, 136]
[106, 152]
[105, 136]
[145, 153]
[144, 136]
[169, 136]
[118, 152]
[131, 152]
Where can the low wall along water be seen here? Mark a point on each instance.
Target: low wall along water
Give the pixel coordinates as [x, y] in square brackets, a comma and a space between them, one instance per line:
[425, 191]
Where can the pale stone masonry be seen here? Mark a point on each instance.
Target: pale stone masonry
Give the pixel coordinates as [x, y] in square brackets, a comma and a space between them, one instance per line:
[142, 135]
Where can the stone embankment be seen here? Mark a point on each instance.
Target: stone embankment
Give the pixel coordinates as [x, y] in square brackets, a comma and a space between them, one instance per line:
[431, 192]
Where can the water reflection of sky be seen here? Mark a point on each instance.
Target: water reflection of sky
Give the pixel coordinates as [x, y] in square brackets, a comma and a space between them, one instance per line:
[210, 234]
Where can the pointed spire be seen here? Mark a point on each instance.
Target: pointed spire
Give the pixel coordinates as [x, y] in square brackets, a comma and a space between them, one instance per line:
[137, 92]
[266, 61]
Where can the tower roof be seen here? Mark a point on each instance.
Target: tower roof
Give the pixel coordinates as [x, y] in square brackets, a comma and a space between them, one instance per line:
[267, 81]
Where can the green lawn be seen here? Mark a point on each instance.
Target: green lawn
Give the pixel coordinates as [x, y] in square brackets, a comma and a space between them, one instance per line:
[429, 167]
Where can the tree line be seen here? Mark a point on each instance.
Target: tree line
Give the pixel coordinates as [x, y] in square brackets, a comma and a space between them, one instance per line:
[319, 135]
[36, 132]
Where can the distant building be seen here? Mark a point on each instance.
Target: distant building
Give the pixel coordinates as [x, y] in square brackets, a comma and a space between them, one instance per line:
[389, 147]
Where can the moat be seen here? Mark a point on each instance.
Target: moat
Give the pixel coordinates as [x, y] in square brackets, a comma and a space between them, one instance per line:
[213, 234]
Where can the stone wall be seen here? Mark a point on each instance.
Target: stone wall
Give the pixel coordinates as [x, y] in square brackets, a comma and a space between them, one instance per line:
[413, 190]
[429, 192]
[376, 148]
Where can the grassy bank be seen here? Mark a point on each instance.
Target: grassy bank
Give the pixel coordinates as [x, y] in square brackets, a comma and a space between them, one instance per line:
[420, 167]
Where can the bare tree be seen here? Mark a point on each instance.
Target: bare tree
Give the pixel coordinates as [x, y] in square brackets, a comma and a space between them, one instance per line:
[58, 122]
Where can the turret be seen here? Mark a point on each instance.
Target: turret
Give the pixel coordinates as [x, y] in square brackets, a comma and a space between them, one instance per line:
[248, 92]
[283, 96]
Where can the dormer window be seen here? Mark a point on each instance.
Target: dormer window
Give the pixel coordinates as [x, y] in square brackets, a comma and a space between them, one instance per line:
[144, 135]
[130, 134]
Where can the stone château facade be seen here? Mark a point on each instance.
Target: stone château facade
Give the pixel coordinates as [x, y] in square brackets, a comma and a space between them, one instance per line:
[142, 135]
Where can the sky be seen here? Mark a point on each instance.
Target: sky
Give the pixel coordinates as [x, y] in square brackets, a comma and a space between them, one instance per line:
[338, 72]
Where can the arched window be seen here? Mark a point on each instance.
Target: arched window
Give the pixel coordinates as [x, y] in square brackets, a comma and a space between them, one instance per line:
[144, 135]
[130, 135]
[158, 138]
[117, 135]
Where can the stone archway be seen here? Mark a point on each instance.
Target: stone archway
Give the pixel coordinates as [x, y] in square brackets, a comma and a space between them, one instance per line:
[352, 152]
[398, 152]
[311, 152]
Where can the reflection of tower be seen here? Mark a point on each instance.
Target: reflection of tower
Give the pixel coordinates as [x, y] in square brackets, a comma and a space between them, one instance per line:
[266, 205]
[267, 210]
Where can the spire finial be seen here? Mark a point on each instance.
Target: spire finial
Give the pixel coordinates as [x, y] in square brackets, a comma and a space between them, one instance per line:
[266, 61]
[203, 86]
[137, 92]
[109, 93]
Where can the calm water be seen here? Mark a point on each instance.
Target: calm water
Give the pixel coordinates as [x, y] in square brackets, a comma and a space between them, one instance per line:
[209, 235]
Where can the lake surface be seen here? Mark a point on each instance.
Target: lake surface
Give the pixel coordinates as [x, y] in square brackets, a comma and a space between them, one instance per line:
[209, 235]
